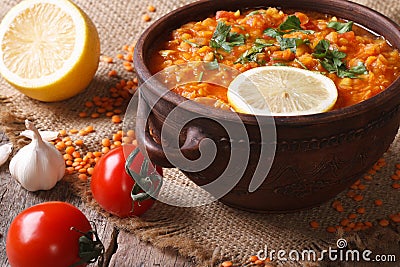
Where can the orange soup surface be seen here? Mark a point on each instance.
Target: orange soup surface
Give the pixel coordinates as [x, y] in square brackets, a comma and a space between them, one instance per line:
[360, 63]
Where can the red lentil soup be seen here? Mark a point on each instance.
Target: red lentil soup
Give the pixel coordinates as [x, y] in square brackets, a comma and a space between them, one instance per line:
[360, 63]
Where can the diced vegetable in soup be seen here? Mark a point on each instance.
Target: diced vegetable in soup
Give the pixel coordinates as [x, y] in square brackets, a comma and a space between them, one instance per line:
[360, 63]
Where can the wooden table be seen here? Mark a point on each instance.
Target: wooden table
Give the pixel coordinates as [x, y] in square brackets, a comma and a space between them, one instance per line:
[129, 250]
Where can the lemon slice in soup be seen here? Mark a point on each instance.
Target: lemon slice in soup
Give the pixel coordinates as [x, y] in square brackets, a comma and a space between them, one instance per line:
[281, 91]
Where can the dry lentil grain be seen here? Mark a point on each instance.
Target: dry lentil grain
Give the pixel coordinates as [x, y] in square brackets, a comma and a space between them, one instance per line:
[383, 222]
[146, 18]
[227, 264]
[378, 202]
[314, 224]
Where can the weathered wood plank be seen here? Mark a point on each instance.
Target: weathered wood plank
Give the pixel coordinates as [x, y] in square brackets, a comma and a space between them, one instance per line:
[130, 251]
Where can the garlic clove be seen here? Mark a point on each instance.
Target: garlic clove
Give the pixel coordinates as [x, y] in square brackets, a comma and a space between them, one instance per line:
[5, 152]
[38, 165]
[46, 135]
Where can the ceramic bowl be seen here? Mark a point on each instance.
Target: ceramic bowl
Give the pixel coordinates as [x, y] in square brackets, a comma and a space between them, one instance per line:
[316, 157]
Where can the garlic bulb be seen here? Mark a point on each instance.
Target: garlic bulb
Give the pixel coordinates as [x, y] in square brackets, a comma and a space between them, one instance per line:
[39, 165]
[46, 135]
[5, 151]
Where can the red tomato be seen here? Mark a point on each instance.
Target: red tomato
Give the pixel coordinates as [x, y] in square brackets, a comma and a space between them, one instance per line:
[41, 236]
[225, 14]
[111, 186]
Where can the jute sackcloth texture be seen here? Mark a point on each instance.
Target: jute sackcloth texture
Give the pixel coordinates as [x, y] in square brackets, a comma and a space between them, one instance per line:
[214, 232]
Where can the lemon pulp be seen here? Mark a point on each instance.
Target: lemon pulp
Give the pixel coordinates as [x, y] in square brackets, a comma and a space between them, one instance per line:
[281, 91]
[49, 49]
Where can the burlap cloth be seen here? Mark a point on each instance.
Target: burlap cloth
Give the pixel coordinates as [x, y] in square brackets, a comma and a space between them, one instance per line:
[212, 233]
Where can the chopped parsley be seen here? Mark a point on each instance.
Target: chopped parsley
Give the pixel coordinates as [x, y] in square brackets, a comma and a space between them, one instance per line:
[212, 65]
[193, 44]
[255, 12]
[290, 43]
[291, 24]
[223, 37]
[251, 55]
[341, 27]
[332, 61]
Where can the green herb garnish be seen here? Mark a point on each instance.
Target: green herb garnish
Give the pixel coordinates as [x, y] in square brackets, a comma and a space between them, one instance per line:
[255, 12]
[291, 24]
[341, 27]
[300, 63]
[191, 43]
[279, 64]
[224, 39]
[251, 55]
[273, 32]
[200, 76]
[332, 61]
[290, 43]
[212, 65]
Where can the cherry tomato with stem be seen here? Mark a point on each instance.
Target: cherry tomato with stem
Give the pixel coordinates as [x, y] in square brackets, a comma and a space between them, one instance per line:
[113, 183]
[52, 234]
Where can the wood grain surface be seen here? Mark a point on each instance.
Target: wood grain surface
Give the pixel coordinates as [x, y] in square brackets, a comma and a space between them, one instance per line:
[122, 248]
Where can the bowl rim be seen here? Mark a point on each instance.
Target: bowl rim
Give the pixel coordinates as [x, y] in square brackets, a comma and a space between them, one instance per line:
[144, 73]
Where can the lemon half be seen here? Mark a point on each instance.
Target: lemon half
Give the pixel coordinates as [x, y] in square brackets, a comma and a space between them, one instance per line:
[281, 91]
[49, 49]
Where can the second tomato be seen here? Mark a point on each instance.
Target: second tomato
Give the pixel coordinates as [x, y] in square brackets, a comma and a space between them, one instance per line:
[111, 185]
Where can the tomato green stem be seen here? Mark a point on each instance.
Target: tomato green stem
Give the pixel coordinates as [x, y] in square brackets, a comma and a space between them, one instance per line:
[146, 185]
[91, 248]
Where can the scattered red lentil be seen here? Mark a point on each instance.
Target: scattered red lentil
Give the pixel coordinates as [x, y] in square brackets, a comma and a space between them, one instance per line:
[378, 202]
[358, 197]
[259, 262]
[361, 210]
[146, 17]
[151, 8]
[314, 224]
[368, 224]
[62, 132]
[107, 59]
[383, 222]
[112, 73]
[83, 114]
[336, 203]
[351, 193]
[395, 218]
[396, 185]
[352, 216]
[73, 131]
[331, 229]
[69, 150]
[227, 264]
[82, 177]
[253, 258]
[362, 187]
[368, 177]
[344, 222]
[116, 119]
[339, 208]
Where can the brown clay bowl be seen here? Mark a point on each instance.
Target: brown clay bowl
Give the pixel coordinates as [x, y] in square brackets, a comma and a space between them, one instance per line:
[317, 156]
